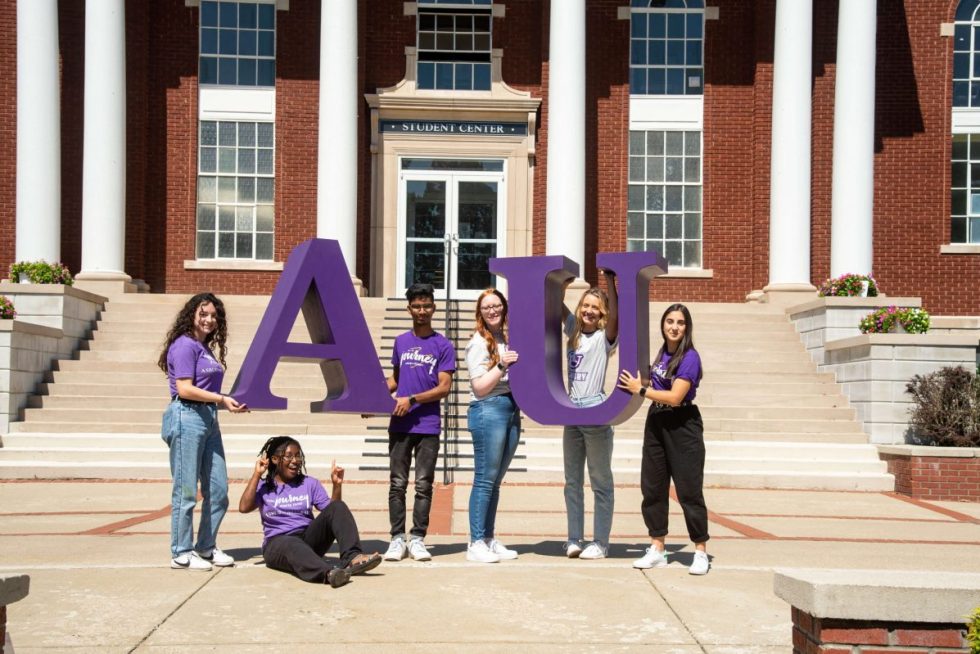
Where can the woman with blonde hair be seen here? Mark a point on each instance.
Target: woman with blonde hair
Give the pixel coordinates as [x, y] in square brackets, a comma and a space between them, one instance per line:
[494, 422]
[592, 336]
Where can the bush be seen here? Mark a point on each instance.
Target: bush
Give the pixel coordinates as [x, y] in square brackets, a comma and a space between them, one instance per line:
[848, 285]
[946, 408]
[6, 308]
[880, 321]
[973, 631]
[41, 272]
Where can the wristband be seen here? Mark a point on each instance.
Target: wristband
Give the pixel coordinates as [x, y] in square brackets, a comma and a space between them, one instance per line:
[643, 391]
[501, 367]
[412, 401]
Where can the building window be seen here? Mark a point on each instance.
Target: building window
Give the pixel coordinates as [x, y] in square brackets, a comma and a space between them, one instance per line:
[667, 47]
[965, 209]
[235, 190]
[664, 210]
[454, 45]
[238, 43]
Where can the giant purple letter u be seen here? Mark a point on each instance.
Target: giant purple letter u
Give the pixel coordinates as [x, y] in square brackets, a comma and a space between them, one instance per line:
[535, 289]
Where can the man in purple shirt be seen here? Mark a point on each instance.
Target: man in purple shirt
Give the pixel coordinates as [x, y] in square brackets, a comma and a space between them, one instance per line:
[423, 362]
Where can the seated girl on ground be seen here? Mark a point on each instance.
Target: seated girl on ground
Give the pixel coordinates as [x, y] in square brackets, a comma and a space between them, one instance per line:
[294, 541]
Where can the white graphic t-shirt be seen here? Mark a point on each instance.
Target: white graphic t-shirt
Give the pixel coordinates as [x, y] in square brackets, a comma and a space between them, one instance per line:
[587, 363]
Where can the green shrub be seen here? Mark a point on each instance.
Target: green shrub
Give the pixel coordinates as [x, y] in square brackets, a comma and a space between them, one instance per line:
[880, 321]
[946, 408]
[41, 272]
[973, 631]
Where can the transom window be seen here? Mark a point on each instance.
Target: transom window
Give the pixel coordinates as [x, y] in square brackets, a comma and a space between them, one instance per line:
[238, 43]
[667, 47]
[454, 45]
[235, 190]
[664, 209]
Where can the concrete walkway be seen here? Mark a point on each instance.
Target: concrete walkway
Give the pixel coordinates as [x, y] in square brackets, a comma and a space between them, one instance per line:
[97, 555]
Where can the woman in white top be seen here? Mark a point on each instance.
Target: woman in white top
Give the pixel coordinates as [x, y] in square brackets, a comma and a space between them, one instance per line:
[494, 422]
[592, 336]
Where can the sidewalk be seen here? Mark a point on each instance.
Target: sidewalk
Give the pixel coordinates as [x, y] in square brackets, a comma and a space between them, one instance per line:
[97, 554]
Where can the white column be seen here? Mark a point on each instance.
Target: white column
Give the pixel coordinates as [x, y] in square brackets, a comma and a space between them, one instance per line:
[789, 208]
[336, 195]
[565, 232]
[38, 132]
[104, 155]
[852, 202]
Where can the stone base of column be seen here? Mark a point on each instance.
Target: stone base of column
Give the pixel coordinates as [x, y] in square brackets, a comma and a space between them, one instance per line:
[359, 289]
[758, 296]
[789, 294]
[106, 283]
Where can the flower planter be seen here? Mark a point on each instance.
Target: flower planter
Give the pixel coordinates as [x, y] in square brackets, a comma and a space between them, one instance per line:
[24, 278]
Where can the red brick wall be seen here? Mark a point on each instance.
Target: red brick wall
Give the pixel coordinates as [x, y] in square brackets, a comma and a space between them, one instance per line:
[936, 478]
[8, 134]
[812, 635]
[911, 162]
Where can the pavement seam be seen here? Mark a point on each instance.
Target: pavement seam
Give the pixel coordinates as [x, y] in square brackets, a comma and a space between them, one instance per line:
[176, 608]
[672, 610]
[922, 504]
[108, 529]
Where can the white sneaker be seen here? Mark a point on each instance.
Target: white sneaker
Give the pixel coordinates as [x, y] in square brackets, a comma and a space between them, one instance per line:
[572, 549]
[701, 564]
[217, 557]
[396, 550]
[501, 550]
[417, 549]
[652, 559]
[189, 561]
[480, 553]
[594, 551]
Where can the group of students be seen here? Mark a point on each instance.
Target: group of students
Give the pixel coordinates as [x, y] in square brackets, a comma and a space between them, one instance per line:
[423, 363]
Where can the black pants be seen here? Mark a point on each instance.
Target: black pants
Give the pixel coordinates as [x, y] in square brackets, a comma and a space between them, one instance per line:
[301, 553]
[673, 447]
[401, 449]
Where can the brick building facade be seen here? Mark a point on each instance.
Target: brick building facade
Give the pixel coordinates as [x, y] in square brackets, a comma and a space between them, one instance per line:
[913, 128]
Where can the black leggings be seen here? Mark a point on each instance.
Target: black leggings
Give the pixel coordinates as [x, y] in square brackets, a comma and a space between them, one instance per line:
[301, 552]
[673, 447]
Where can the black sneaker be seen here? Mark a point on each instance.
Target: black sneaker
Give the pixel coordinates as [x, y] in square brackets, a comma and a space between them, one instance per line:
[337, 577]
[363, 562]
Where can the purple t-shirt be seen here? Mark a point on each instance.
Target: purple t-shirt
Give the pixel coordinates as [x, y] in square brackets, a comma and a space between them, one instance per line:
[287, 508]
[187, 358]
[419, 362]
[689, 369]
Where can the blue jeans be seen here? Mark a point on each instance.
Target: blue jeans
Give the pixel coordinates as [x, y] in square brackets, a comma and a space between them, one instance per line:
[592, 444]
[495, 423]
[196, 454]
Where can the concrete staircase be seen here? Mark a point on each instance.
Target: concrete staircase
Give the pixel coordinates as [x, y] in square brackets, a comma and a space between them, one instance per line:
[770, 419]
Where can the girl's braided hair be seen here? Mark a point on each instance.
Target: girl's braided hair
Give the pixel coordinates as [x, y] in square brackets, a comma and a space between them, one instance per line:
[276, 446]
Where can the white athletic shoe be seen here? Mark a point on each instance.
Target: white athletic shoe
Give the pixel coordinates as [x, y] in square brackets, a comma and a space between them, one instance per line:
[701, 564]
[594, 551]
[217, 557]
[480, 553]
[416, 548]
[189, 561]
[396, 550]
[572, 549]
[652, 559]
[501, 550]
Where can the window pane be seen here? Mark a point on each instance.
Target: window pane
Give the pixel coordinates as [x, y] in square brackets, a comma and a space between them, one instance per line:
[961, 93]
[655, 169]
[209, 14]
[247, 15]
[692, 170]
[464, 77]
[655, 143]
[974, 228]
[657, 81]
[692, 254]
[692, 226]
[674, 169]
[674, 226]
[959, 174]
[634, 225]
[264, 190]
[246, 190]
[227, 70]
[226, 189]
[246, 42]
[636, 169]
[209, 160]
[638, 52]
[675, 26]
[692, 143]
[695, 25]
[481, 77]
[228, 42]
[209, 70]
[226, 160]
[228, 14]
[246, 162]
[464, 42]
[961, 65]
[427, 76]
[246, 134]
[444, 76]
[655, 198]
[674, 253]
[264, 161]
[265, 72]
[205, 216]
[264, 218]
[958, 231]
[673, 198]
[265, 134]
[246, 72]
[692, 198]
[675, 53]
[637, 140]
[636, 195]
[267, 16]
[675, 81]
[263, 247]
[267, 44]
[675, 143]
[209, 41]
[205, 245]
[657, 53]
[226, 219]
[958, 204]
[655, 226]
[638, 25]
[638, 81]
[226, 245]
[658, 26]
[243, 219]
[206, 189]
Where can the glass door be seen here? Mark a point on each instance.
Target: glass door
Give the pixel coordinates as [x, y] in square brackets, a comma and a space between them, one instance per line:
[451, 225]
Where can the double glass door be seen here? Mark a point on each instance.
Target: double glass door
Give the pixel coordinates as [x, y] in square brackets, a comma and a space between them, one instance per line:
[451, 224]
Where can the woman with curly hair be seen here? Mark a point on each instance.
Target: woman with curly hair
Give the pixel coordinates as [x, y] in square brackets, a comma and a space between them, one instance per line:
[294, 541]
[494, 421]
[190, 430]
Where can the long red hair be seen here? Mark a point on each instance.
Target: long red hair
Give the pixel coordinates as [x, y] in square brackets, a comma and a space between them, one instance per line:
[483, 330]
